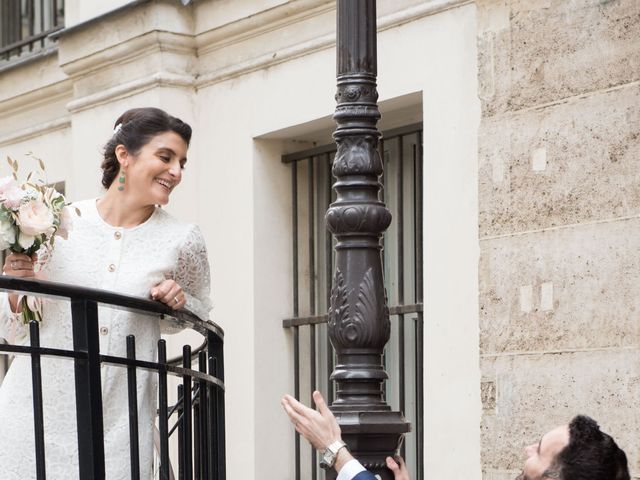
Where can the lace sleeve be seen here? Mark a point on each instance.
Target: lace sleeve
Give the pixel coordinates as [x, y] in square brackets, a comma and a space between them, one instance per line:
[193, 275]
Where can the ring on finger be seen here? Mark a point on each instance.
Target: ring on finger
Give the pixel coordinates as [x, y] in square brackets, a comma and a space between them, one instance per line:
[14, 265]
[176, 300]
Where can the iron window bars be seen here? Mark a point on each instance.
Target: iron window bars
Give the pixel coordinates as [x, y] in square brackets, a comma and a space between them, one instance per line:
[200, 406]
[313, 265]
[27, 25]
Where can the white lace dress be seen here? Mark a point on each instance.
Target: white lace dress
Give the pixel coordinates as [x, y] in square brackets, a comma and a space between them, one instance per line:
[128, 261]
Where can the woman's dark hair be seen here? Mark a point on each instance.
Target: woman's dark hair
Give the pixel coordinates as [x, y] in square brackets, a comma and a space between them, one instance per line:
[134, 129]
[590, 455]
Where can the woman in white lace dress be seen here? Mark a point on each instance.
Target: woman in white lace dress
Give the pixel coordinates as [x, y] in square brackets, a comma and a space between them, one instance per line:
[122, 242]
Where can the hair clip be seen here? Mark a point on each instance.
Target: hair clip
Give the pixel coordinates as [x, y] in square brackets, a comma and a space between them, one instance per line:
[117, 129]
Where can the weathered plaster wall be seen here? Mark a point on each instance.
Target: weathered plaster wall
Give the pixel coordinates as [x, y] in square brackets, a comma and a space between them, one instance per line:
[559, 196]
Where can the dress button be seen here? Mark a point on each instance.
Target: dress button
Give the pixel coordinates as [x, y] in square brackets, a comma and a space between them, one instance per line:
[104, 330]
[118, 235]
[112, 268]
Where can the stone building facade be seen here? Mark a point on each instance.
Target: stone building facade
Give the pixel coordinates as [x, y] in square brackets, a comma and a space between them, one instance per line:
[559, 203]
[531, 121]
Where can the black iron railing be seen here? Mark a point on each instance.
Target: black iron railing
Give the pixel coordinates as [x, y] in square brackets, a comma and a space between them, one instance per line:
[27, 25]
[313, 263]
[198, 413]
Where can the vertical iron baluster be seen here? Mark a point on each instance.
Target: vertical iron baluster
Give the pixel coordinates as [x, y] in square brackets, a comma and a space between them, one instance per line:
[419, 320]
[30, 8]
[296, 390]
[312, 292]
[196, 435]
[186, 382]
[36, 383]
[218, 372]
[132, 384]
[400, 231]
[163, 420]
[213, 426]
[312, 381]
[204, 415]
[54, 6]
[419, 397]
[213, 418]
[181, 437]
[296, 333]
[84, 317]
[42, 27]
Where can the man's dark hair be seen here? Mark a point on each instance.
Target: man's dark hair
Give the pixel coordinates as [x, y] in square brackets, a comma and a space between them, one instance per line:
[590, 455]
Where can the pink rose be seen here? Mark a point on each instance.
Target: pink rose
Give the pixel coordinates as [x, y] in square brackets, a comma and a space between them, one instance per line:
[11, 194]
[34, 218]
[65, 223]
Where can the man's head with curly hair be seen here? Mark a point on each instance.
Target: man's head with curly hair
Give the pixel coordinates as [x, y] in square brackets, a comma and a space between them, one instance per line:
[578, 451]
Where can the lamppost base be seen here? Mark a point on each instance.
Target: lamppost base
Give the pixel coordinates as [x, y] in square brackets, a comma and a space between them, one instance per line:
[371, 437]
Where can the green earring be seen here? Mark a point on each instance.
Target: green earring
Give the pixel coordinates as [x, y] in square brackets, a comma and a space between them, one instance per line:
[121, 180]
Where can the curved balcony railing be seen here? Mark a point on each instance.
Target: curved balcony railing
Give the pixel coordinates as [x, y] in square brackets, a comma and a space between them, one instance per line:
[198, 416]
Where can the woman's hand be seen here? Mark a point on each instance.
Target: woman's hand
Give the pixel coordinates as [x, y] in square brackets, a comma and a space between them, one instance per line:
[18, 265]
[169, 292]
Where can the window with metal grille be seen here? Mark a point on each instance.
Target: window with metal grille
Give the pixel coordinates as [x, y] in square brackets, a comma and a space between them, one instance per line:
[313, 261]
[27, 25]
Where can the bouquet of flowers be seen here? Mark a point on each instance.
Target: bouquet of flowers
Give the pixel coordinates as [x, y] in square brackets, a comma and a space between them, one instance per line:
[31, 215]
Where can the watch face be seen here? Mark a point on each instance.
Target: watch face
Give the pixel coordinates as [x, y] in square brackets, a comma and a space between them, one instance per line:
[328, 458]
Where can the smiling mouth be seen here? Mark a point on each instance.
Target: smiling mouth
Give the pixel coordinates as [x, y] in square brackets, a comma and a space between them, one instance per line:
[165, 183]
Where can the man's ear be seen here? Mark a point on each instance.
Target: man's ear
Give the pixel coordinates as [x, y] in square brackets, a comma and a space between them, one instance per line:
[122, 155]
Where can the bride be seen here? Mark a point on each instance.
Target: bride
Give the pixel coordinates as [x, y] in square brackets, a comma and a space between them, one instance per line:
[123, 242]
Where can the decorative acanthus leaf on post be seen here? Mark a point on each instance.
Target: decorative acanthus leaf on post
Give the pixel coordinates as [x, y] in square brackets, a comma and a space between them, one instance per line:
[355, 328]
[367, 307]
[339, 309]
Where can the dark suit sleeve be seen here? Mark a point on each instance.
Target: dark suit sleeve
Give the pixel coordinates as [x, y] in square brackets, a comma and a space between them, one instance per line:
[365, 476]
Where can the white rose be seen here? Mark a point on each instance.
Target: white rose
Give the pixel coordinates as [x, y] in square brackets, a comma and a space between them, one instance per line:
[25, 241]
[7, 235]
[35, 218]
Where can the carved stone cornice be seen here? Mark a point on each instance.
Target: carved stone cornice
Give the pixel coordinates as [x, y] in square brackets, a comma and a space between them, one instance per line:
[139, 47]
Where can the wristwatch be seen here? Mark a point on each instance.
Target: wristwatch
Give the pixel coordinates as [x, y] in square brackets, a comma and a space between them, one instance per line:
[331, 453]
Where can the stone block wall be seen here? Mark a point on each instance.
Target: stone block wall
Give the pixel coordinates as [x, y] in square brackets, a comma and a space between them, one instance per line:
[559, 187]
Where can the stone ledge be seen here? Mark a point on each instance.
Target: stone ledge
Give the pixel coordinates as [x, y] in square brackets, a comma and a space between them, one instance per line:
[36, 130]
[134, 87]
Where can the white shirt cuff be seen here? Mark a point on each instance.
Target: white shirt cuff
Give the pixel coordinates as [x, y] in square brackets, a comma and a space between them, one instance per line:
[350, 470]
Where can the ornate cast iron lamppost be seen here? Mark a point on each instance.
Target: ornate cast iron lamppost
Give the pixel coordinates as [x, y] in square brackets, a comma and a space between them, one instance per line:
[359, 318]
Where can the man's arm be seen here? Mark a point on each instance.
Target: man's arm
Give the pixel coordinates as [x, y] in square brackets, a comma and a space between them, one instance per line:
[321, 429]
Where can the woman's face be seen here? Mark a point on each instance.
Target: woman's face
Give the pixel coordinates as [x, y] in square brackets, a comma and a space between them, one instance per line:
[152, 174]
